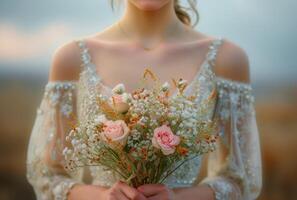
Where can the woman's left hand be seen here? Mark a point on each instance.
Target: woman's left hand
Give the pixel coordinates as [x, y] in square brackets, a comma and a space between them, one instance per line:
[157, 192]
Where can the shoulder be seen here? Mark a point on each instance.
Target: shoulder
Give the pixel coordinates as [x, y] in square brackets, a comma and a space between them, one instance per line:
[232, 62]
[66, 62]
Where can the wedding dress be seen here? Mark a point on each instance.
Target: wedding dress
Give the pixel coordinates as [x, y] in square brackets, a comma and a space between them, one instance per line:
[234, 169]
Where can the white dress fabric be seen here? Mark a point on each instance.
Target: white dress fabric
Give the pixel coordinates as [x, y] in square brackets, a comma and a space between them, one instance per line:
[234, 169]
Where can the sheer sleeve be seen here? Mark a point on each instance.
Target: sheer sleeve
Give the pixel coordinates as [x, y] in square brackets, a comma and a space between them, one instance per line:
[55, 114]
[234, 169]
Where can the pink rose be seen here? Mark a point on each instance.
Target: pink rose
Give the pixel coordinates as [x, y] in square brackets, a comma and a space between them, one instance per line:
[120, 102]
[115, 132]
[165, 140]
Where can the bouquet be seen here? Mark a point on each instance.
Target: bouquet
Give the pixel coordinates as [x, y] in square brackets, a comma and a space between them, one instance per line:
[143, 136]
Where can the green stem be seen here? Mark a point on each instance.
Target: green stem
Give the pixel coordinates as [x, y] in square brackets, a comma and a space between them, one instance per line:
[170, 172]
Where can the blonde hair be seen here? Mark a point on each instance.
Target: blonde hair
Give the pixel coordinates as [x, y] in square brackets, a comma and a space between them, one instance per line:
[183, 13]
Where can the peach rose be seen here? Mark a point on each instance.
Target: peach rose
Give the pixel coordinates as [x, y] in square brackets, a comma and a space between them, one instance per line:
[115, 132]
[165, 140]
[120, 102]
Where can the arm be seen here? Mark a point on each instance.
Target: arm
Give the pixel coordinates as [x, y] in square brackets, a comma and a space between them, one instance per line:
[45, 160]
[55, 113]
[234, 169]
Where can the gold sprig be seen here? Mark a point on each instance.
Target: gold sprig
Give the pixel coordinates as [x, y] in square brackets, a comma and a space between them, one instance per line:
[180, 87]
[149, 72]
[183, 87]
[72, 122]
[174, 82]
[108, 110]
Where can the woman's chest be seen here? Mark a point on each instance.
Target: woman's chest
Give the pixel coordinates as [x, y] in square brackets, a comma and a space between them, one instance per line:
[126, 64]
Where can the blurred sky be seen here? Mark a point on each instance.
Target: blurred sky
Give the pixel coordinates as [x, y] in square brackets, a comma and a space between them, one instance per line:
[31, 30]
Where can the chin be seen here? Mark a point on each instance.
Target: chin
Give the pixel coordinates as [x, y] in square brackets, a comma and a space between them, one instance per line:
[149, 5]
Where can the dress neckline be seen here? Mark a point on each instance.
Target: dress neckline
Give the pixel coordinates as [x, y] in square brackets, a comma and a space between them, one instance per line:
[208, 59]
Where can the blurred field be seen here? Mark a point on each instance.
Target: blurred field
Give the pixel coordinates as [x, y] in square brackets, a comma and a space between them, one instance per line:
[276, 114]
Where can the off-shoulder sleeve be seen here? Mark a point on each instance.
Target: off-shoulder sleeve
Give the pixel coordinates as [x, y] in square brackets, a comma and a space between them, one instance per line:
[234, 169]
[45, 161]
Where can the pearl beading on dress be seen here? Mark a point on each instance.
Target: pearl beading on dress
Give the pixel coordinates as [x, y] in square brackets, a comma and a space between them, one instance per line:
[213, 51]
[245, 89]
[60, 93]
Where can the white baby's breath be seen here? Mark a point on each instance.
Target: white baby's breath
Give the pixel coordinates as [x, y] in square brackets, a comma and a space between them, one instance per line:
[165, 87]
[119, 89]
[181, 82]
[126, 97]
[100, 119]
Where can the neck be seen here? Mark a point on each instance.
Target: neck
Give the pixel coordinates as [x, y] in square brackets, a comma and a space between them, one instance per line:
[151, 25]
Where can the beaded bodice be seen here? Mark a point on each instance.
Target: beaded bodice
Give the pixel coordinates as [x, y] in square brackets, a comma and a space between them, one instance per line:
[232, 175]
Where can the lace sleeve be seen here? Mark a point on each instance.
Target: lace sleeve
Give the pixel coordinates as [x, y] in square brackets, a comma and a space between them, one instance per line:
[234, 169]
[45, 170]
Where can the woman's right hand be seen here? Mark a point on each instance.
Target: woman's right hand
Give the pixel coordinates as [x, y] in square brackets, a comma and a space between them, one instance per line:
[119, 191]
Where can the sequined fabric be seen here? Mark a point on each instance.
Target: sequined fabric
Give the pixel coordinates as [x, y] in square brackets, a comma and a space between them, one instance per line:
[44, 160]
[234, 169]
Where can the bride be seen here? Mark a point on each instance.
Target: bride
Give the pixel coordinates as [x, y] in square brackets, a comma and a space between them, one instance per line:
[158, 34]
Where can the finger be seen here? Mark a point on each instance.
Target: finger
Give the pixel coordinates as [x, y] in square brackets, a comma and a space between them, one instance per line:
[151, 189]
[159, 196]
[131, 192]
[156, 197]
[121, 196]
